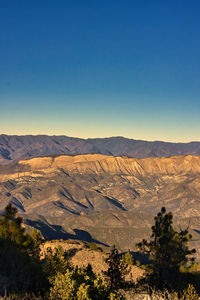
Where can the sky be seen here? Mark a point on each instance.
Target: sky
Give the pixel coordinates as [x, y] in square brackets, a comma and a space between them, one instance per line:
[101, 68]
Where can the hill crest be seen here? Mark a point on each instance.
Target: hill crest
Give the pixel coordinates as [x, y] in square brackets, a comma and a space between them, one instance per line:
[14, 148]
[98, 163]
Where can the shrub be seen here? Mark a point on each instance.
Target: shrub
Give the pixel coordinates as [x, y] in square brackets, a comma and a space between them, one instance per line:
[93, 246]
[128, 258]
[80, 284]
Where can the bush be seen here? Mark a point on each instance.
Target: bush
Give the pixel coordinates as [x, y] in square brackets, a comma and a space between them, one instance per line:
[93, 246]
[128, 258]
[80, 284]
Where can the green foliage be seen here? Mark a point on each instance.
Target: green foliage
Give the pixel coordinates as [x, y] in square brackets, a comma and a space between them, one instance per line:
[20, 268]
[36, 242]
[68, 282]
[55, 262]
[80, 284]
[128, 258]
[25, 276]
[63, 286]
[11, 229]
[167, 248]
[137, 263]
[117, 269]
[93, 246]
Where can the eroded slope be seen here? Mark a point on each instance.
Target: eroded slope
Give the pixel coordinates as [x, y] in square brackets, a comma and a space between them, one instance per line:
[101, 197]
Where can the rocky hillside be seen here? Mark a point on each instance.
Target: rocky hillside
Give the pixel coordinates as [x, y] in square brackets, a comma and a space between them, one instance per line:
[102, 198]
[23, 147]
[81, 255]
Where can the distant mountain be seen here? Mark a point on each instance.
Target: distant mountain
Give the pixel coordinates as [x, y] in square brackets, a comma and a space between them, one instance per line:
[108, 199]
[14, 147]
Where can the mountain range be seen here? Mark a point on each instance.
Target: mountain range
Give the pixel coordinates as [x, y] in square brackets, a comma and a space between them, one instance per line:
[102, 198]
[13, 147]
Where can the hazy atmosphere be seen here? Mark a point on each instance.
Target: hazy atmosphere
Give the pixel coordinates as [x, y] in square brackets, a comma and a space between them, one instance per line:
[100, 68]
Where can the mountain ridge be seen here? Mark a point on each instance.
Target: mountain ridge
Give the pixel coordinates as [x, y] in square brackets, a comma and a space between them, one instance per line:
[13, 147]
[106, 198]
[98, 163]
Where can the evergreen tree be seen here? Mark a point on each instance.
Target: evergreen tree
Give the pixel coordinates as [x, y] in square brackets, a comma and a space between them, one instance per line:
[20, 268]
[11, 230]
[55, 261]
[128, 258]
[117, 269]
[167, 248]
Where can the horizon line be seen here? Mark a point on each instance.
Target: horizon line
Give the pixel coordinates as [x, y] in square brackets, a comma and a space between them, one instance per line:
[106, 137]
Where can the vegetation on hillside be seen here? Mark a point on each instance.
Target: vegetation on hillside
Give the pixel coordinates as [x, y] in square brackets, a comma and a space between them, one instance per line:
[169, 251]
[20, 269]
[24, 275]
[117, 269]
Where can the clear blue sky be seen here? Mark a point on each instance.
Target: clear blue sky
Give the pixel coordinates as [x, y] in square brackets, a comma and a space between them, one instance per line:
[101, 68]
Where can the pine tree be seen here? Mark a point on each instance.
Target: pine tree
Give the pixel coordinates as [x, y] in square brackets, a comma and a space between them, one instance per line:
[117, 269]
[20, 267]
[11, 230]
[128, 258]
[167, 248]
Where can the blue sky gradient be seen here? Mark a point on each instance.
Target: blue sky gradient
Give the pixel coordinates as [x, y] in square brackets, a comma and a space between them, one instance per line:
[101, 68]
